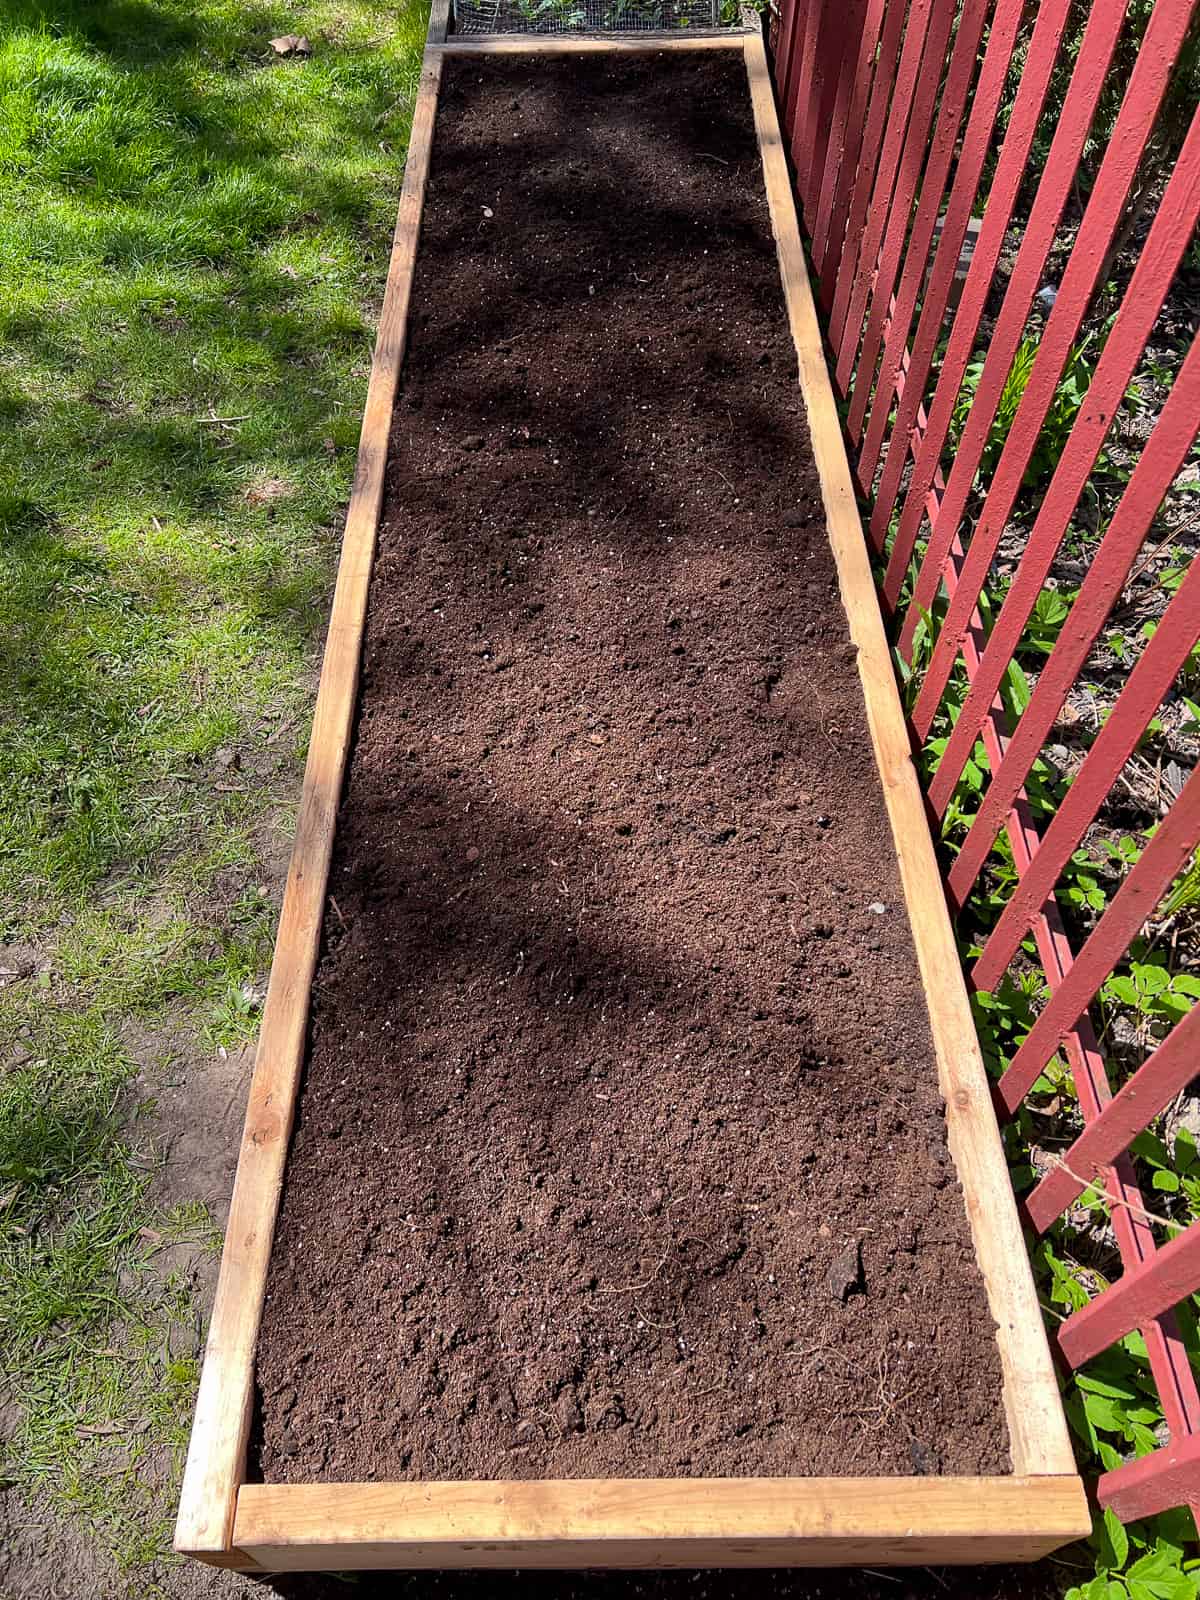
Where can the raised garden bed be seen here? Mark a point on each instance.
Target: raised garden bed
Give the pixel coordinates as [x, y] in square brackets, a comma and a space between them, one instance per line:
[620, 1225]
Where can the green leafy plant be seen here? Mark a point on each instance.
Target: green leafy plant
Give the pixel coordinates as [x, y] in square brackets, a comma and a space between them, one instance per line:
[1149, 990]
[559, 13]
[1068, 398]
[1050, 610]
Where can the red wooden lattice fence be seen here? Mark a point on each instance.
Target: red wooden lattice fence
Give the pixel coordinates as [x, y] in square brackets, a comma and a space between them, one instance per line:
[907, 119]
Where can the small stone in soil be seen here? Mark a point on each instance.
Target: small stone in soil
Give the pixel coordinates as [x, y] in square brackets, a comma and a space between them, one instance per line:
[926, 1462]
[568, 1414]
[845, 1275]
[878, 907]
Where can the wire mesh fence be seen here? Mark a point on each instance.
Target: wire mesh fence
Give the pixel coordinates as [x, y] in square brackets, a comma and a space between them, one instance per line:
[592, 16]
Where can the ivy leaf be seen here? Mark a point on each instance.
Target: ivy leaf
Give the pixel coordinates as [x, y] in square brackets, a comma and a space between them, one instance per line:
[1112, 1541]
[1185, 1149]
[1116, 1391]
[1079, 1420]
[1157, 1577]
[1141, 1438]
[1152, 979]
[1175, 1529]
[1123, 989]
[1151, 1149]
[1171, 1006]
[1104, 1413]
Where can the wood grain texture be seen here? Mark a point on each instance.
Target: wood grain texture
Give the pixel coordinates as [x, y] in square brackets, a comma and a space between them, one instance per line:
[530, 44]
[658, 1522]
[439, 22]
[217, 1450]
[1037, 1427]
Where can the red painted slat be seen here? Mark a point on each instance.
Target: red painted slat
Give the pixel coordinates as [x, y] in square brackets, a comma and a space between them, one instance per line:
[1151, 1088]
[976, 145]
[917, 80]
[802, 88]
[1162, 860]
[1153, 1483]
[1144, 1292]
[782, 47]
[878, 106]
[837, 238]
[1152, 477]
[803, 29]
[918, 144]
[1099, 42]
[800, 93]
[1054, 189]
[1170, 1365]
[1156, 268]
[838, 177]
[845, 134]
[1155, 672]
[835, 40]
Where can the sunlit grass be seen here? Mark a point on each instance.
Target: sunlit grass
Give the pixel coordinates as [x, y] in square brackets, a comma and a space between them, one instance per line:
[193, 237]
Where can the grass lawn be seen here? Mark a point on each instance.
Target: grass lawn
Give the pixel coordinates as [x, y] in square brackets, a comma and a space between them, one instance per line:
[193, 238]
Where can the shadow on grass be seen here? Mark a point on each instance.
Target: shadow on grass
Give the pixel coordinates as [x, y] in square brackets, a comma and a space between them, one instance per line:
[190, 229]
[194, 230]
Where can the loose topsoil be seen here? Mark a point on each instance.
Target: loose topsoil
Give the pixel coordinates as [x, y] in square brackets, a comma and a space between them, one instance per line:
[620, 1149]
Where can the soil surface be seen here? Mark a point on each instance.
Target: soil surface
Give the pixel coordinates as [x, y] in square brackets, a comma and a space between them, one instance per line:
[1047, 1580]
[620, 1150]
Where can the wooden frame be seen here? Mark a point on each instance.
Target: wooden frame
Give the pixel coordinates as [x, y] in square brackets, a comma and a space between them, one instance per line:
[618, 1522]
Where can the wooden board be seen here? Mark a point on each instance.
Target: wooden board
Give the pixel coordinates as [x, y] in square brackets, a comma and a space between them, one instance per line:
[1036, 1424]
[217, 1450]
[628, 1523]
[657, 1522]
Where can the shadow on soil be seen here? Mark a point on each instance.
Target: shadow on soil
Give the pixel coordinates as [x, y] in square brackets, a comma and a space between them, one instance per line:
[1018, 1583]
[1044, 1581]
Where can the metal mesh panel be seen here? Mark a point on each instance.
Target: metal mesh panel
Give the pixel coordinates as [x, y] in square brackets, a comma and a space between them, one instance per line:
[591, 16]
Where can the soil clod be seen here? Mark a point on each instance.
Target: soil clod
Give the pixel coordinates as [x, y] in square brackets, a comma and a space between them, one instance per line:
[846, 1274]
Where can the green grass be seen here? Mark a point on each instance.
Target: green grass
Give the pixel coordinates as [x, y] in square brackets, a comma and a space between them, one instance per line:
[190, 228]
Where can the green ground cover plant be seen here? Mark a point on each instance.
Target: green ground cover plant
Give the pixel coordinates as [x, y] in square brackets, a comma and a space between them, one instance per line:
[1111, 1403]
[193, 240]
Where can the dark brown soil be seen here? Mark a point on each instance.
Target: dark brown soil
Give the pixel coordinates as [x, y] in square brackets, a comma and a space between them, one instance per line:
[620, 1149]
[1047, 1580]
